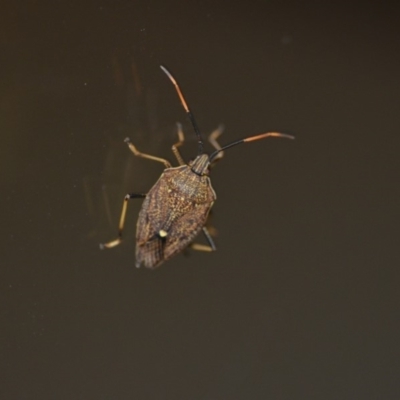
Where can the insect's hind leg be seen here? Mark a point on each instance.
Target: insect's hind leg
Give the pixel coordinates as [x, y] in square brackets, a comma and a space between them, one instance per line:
[137, 153]
[175, 146]
[202, 247]
[214, 135]
[117, 241]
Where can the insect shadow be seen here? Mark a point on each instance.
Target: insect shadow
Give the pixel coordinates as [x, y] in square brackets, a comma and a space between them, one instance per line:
[176, 208]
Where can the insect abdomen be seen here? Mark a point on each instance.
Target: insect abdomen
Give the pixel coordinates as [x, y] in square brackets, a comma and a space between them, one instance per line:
[173, 213]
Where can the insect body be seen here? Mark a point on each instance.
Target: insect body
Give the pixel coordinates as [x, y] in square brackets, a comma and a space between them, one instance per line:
[176, 208]
[173, 213]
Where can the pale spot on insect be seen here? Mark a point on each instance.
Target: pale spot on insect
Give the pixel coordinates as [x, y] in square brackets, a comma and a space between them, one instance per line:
[162, 233]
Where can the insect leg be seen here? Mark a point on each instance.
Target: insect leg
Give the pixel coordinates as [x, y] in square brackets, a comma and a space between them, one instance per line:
[137, 153]
[117, 241]
[202, 247]
[175, 146]
[214, 135]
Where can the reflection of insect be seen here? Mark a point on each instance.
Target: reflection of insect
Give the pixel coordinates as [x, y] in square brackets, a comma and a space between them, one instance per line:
[176, 208]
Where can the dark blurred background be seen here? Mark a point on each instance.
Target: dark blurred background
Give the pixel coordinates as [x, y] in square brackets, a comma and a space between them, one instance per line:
[301, 299]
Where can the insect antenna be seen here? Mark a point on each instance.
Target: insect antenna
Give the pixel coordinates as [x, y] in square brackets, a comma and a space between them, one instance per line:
[187, 109]
[249, 139]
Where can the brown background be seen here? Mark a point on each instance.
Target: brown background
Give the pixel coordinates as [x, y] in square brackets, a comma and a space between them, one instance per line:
[301, 299]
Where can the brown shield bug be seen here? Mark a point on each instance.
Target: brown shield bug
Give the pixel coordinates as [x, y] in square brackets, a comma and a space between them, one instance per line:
[176, 208]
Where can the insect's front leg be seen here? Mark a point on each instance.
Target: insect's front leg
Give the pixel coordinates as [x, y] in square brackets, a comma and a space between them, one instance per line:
[137, 153]
[175, 146]
[117, 241]
[214, 135]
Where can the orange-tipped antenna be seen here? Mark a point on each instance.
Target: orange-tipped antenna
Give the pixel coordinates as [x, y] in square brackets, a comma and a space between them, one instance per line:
[250, 139]
[187, 109]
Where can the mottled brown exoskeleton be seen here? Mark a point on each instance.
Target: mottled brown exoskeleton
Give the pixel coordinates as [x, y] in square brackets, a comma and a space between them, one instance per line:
[176, 208]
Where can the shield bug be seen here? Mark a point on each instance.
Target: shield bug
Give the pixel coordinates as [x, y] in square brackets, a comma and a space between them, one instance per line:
[176, 208]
